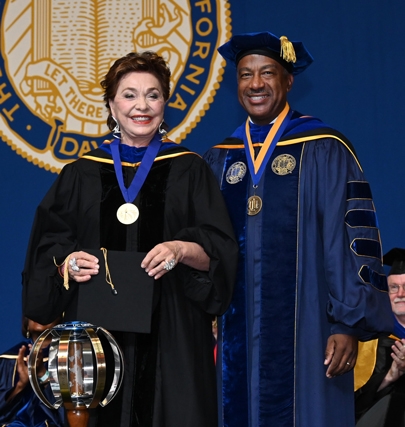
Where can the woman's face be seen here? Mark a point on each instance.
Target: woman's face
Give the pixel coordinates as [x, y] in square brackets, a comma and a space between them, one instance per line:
[138, 107]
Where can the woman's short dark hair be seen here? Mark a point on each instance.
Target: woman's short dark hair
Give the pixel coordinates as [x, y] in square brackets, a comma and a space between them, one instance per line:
[148, 61]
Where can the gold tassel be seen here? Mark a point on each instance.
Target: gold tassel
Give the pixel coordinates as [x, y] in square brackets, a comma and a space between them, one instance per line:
[108, 278]
[287, 51]
[65, 272]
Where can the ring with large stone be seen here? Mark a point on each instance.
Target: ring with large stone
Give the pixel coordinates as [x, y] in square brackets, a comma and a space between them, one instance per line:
[72, 263]
[169, 265]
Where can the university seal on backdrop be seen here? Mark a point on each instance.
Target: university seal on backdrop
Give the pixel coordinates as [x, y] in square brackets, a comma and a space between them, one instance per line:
[54, 53]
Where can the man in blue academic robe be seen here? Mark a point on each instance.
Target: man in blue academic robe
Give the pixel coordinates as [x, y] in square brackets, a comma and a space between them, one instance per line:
[310, 280]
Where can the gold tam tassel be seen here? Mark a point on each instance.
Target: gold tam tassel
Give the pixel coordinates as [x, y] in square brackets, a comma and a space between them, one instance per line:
[108, 278]
[287, 51]
[65, 271]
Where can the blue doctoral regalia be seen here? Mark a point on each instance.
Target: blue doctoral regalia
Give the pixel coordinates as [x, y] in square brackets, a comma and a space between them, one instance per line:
[25, 410]
[310, 266]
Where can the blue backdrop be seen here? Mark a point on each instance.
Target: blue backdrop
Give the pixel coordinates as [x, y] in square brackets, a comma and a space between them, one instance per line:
[352, 85]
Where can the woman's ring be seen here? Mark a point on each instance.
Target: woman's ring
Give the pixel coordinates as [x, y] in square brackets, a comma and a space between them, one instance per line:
[347, 363]
[169, 265]
[72, 263]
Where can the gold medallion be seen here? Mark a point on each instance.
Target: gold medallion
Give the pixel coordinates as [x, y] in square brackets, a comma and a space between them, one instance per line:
[254, 205]
[127, 213]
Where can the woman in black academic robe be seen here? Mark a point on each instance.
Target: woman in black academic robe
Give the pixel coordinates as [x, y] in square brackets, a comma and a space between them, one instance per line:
[184, 227]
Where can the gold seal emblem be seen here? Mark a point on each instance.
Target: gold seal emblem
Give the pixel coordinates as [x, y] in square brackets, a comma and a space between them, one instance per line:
[56, 52]
[283, 164]
[235, 173]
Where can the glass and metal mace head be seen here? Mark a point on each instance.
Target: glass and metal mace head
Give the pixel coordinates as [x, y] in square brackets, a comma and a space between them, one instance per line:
[85, 366]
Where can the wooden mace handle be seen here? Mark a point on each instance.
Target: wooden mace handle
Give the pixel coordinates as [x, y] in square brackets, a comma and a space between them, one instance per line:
[78, 417]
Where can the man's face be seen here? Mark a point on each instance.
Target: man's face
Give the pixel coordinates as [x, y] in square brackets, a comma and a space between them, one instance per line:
[396, 284]
[263, 85]
[36, 329]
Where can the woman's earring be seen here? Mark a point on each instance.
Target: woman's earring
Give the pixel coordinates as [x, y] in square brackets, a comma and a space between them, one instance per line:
[28, 334]
[116, 130]
[162, 131]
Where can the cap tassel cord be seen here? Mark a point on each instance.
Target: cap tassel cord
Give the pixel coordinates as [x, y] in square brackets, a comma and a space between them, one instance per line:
[65, 271]
[287, 51]
[108, 278]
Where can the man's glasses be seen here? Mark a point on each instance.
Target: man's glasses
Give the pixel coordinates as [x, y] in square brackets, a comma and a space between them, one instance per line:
[394, 289]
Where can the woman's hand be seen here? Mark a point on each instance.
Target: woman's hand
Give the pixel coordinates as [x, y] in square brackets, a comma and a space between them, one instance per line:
[81, 266]
[165, 256]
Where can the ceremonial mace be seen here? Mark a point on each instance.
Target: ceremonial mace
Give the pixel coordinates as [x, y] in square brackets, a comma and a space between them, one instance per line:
[78, 372]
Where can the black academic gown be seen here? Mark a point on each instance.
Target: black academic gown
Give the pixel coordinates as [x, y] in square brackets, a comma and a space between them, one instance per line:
[384, 408]
[169, 374]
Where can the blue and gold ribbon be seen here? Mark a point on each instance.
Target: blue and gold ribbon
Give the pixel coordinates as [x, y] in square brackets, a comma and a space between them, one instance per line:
[258, 165]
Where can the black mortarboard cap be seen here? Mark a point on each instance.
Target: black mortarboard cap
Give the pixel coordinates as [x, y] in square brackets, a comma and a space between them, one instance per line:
[293, 56]
[130, 308]
[396, 259]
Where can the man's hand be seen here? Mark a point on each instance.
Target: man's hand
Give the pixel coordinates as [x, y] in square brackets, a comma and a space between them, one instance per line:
[22, 370]
[340, 354]
[397, 368]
